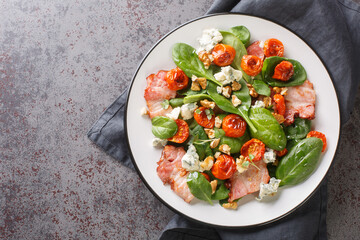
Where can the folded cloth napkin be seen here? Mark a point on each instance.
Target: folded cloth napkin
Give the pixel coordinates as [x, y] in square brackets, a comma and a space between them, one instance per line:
[332, 28]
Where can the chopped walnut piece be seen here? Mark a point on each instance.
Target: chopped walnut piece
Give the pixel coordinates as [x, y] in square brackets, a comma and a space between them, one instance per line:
[280, 118]
[195, 86]
[202, 82]
[235, 86]
[242, 164]
[252, 91]
[226, 92]
[276, 89]
[267, 101]
[276, 162]
[218, 122]
[284, 91]
[210, 132]
[207, 163]
[235, 100]
[225, 149]
[213, 185]
[217, 154]
[208, 104]
[204, 57]
[232, 205]
[214, 143]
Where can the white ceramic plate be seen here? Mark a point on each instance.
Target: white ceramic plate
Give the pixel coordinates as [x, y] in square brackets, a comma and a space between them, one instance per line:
[250, 212]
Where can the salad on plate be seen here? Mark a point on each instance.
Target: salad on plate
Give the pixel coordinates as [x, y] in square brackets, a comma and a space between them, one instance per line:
[233, 118]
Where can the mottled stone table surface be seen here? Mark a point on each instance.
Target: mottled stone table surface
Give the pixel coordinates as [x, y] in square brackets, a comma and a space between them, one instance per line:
[61, 64]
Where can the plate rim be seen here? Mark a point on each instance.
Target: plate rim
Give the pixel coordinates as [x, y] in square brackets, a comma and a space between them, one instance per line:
[138, 170]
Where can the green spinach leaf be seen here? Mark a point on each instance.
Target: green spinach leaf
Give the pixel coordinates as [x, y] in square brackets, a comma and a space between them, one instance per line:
[300, 162]
[196, 97]
[242, 33]
[261, 88]
[269, 65]
[202, 148]
[221, 193]
[199, 186]
[185, 57]
[269, 131]
[176, 102]
[299, 129]
[163, 127]
[235, 144]
[243, 94]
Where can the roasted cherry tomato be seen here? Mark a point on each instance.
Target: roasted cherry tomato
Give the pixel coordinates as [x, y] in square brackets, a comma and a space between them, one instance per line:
[254, 147]
[202, 116]
[206, 176]
[176, 79]
[282, 152]
[223, 54]
[251, 64]
[318, 135]
[273, 47]
[182, 133]
[224, 167]
[283, 71]
[279, 104]
[234, 125]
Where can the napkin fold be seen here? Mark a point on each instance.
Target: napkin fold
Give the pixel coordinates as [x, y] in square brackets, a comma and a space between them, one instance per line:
[332, 29]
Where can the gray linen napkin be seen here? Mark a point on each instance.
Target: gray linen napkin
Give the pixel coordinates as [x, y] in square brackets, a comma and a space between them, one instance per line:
[332, 28]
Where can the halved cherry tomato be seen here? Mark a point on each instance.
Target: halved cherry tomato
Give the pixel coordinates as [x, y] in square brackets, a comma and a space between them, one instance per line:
[234, 125]
[176, 79]
[202, 119]
[224, 167]
[318, 135]
[280, 106]
[254, 147]
[282, 152]
[273, 47]
[206, 176]
[283, 71]
[251, 64]
[223, 54]
[182, 133]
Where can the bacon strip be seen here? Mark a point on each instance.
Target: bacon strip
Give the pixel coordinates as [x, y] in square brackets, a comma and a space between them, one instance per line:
[156, 92]
[255, 49]
[300, 101]
[249, 181]
[171, 172]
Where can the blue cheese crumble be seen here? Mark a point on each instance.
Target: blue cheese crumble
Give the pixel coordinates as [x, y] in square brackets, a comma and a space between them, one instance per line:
[269, 156]
[158, 143]
[228, 75]
[269, 189]
[190, 161]
[187, 110]
[208, 40]
[174, 114]
[259, 104]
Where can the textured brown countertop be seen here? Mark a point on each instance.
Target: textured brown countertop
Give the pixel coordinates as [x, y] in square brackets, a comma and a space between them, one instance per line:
[61, 64]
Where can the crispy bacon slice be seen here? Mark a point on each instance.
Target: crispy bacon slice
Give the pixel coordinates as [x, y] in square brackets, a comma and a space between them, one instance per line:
[255, 49]
[156, 92]
[171, 172]
[249, 181]
[300, 101]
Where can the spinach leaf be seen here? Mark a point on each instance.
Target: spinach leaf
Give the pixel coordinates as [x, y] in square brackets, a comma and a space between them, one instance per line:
[185, 57]
[236, 43]
[269, 131]
[242, 33]
[299, 129]
[176, 102]
[195, 98]
[221, 193]
[202, 148]
[300, 162]
[163, 127]
[189, 92]
[199, 186]
[272, 170]
[234, 143]
[269, 65]
[291, 143]
[224, 104]
[243, 94]
[261, 88]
